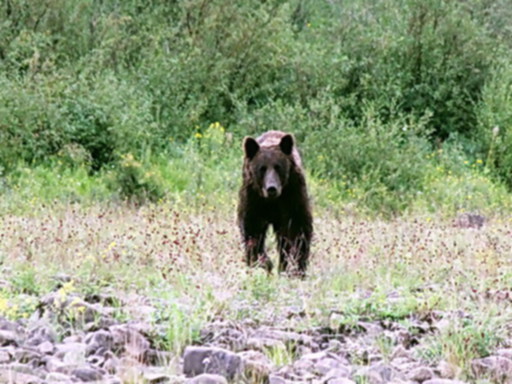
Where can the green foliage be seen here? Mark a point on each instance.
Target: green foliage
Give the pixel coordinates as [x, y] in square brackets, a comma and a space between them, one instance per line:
[464, 340]
[135, 182]
[494, 132]
[368, 88]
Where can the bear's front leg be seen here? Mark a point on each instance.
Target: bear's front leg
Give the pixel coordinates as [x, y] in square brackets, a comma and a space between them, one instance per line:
[255, 255]
[294, 252]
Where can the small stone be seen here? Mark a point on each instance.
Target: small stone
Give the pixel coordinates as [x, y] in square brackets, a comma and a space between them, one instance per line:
[470, 220]
[130, 340]
[335, 345]
[39, 333]
[23, 368]
[56, 365]
[99, 340]
[87, 374]
[8, 338]
[341, 380]
[207, 378]
[273, 379]
[505, 352]
[399, 352]
[111, 363]
[443, 381]
[24, 355]
[376, 374]
[448, 370]
[497, 368]
[157, 378]
[56, 377]
[71, 353]
[337, 373]
[45, 348]
[420, 374]
[5, 357]
[197, 360]
[257, 366]
[7, 375]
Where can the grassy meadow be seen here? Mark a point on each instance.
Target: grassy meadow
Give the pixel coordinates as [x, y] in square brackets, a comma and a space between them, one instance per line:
[120, 161]
[187, 263]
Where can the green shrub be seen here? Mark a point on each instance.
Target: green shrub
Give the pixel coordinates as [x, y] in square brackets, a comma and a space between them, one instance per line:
[85, 82]
[494, 134]
[136, 182]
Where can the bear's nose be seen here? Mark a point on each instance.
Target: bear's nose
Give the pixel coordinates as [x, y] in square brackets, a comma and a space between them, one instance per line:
[272, 191]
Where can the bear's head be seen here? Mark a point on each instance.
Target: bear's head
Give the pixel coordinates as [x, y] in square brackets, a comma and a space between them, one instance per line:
[269, 166]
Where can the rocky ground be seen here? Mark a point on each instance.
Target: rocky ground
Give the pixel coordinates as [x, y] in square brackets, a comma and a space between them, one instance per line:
[93, 345]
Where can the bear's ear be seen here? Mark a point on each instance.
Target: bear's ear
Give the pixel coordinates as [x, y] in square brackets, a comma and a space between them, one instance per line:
[286, 144]
[251, 147]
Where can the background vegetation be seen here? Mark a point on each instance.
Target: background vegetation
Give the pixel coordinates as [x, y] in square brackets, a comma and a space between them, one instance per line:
[397, 105]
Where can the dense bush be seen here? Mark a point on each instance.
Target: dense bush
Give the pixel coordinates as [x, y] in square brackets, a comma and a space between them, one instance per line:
[369, 88]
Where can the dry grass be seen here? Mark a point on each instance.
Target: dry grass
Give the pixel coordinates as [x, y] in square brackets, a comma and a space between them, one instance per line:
[189, 265]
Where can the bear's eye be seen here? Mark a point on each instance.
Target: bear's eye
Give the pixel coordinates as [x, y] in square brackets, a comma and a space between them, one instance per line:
[277, 167]
[263, 169]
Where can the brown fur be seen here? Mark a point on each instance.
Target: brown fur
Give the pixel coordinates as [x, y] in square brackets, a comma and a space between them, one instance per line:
[274, 193]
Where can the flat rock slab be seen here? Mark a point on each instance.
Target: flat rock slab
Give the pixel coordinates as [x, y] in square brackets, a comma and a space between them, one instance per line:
[198, 360]
[207, 378]
[9, 376]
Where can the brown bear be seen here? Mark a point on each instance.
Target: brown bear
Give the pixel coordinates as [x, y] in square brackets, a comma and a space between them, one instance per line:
[274, 193]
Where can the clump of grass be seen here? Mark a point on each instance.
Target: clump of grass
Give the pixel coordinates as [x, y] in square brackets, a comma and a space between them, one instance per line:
[465, 339]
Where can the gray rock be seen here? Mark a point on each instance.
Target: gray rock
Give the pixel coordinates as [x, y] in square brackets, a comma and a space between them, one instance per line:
[25, 355]
[376, 374]
[420, 374]
[5, 357]
[263, 344]
[56, 377]
[56, 365]
[273, 379]
[400, 352]
[7, 325]
[24, 368]
[73, 339]
[206, 378]
[321, 363]
[448, 370]
[99, 340]
[46, 348]
[340, 380]
[111, 363]
[39, 333]
[156, 357]
[117, 380]
[443, 381]
[337, 373]
[497, 368]
[470, 220]
[7, 375]
[158, 378]
[126, 338]
[95, 360]
[505, 352]
[87, 374]
[257, 366]
[197, 360]
[8, 338]
[72, 354]
[267, 337]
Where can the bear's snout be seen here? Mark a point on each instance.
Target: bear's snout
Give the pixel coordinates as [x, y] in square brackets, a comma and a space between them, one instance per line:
[271, 185]
[272, 192]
